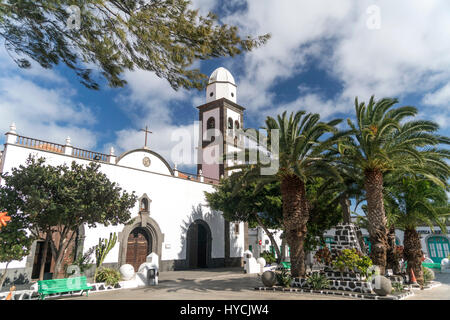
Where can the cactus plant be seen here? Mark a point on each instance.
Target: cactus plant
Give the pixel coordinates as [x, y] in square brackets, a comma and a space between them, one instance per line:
[102, 249]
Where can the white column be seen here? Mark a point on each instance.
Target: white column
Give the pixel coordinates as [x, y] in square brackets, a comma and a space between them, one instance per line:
[68, 147]
[11, 135]
[175, 170]
[200, 175]
[112, 157]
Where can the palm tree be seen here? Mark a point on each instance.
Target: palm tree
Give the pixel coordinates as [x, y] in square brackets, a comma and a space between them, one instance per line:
[301, 158]
[381, 142]
[417, 201]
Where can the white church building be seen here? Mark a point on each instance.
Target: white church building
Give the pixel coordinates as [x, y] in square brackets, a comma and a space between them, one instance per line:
[171, 217]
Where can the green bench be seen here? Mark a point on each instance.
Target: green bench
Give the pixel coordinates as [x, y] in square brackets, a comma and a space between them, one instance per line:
[46, 287]
[286, 265]
[432, 265]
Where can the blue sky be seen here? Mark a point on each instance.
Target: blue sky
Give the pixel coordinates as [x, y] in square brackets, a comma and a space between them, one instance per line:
[321, 55]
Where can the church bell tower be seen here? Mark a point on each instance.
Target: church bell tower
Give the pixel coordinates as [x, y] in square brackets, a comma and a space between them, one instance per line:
[221, 118]
[221, 122]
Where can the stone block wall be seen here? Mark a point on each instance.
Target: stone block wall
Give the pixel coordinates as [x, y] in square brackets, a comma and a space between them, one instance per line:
[346, 237]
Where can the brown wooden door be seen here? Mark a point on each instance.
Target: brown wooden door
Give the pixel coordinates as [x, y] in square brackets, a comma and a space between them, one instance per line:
[138, 248]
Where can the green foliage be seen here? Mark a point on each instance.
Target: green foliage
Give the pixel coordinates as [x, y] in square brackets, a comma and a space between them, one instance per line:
[318, 281]
[428, 275]
[415, 200]
[84, 261]
[242, 201]
[353, 260]
[108, 275]
[324, 211]
[284, 278]
[161, 36]
[102, 249]
[269, 257]
[15, 241]
[58, 199]
[397, 287]
[363, 264]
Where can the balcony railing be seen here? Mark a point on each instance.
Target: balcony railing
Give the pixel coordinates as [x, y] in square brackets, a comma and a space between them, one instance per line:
[90, 155]
[40, 144]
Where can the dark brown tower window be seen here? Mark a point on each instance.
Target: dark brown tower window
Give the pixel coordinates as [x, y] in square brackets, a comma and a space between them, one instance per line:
[236, 124]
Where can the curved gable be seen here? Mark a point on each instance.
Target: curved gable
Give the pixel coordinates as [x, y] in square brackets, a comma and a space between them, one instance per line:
[135, 159]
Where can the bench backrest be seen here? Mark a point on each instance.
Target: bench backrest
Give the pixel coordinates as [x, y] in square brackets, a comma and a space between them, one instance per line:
[64, 284]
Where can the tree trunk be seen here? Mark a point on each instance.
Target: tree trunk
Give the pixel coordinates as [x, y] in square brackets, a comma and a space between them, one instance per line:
[48, 236]
[413, 254]
[283, 245]
[270, 235]
[345, 205]
[392, 261]
[61, 252]
[295, 217]
[376, 217]
[3, 277]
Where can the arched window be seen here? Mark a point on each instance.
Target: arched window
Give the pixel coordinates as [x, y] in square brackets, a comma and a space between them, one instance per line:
[211, 123]
[230, 123]
[230, 126]
[236, 124]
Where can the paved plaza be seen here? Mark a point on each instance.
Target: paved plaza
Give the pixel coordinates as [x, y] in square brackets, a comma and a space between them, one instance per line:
[232, 284]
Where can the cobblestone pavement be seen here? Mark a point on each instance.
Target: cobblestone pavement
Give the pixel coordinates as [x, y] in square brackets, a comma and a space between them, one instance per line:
[233, 284]
[211, 284]
[439, 293]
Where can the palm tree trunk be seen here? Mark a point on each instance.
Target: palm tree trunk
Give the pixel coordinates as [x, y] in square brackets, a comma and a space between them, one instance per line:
[345, 205]
[413, 254]
[392, 261]
[295, 217]
[376, 217]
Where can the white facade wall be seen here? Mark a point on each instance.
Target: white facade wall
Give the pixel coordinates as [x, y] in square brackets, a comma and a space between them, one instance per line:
[175, 202]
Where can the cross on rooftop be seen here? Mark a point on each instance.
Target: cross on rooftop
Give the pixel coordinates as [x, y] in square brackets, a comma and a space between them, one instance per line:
[146, 132]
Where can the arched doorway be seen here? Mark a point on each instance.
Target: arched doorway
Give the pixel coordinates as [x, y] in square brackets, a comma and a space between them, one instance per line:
[438, 248]
[198, 245]
[139, 246]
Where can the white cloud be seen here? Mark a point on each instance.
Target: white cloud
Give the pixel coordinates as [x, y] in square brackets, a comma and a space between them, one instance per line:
[47, 114]
[439, 98]
[408, 54]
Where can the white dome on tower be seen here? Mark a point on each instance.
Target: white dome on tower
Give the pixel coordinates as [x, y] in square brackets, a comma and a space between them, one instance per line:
[221, 85]
[221, 75]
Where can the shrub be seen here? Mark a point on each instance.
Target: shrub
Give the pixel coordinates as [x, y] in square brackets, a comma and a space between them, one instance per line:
[108, 275]
[428, 275]
[268, 256]
[353, 260]
[318, 281]
[397, 287]
[323, 256]
[284, 278]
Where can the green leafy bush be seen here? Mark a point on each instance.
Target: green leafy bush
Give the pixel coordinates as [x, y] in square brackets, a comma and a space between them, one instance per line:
[428, 275]
[108, 275]
[353, 260]
[283, 278]
[397, 287]
[318, 281]
[268, 256]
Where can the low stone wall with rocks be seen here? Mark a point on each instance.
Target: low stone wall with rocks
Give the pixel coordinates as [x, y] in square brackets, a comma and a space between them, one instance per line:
[343, 285]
